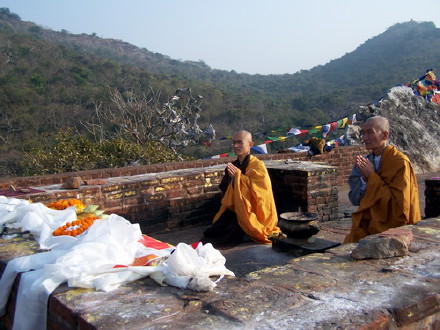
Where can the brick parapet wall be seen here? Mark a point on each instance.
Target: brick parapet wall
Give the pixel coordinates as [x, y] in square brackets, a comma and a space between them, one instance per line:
[186, 198]
[176, 195]
[341, 157]
[157, 201]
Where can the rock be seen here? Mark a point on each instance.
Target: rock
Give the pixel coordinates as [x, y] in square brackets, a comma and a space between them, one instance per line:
[391, 243]
[72, 183]
[353, 135]
[414, 123]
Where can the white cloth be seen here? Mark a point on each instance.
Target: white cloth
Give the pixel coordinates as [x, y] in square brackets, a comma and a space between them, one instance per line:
[40, 220]
[88, 260]
[7, 205]
[299, 148]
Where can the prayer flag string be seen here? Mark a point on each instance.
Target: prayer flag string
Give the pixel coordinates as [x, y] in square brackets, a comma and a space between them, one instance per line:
[319, 131]
[426, 86]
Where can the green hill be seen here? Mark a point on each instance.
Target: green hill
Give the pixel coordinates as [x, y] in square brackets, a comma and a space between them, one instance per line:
[53, 80]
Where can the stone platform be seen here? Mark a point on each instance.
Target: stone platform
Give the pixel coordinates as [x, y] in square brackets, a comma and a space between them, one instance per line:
[271, 290]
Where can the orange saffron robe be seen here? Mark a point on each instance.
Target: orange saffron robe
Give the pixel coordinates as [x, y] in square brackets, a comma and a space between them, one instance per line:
[390, 200]
[250, 197]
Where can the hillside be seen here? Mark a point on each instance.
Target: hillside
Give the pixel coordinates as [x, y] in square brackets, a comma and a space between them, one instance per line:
[51, 80]
[394, 57]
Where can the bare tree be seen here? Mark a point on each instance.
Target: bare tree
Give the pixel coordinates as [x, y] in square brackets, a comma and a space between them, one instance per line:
[143, 118]
[7, 128]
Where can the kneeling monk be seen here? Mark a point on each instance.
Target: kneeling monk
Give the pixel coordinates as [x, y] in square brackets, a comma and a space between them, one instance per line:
[383, 185]
[247, 207]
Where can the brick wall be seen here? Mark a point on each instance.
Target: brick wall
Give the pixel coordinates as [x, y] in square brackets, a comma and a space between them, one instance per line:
[341, 157]
[157, 201]
[305, 186]
[180, 195]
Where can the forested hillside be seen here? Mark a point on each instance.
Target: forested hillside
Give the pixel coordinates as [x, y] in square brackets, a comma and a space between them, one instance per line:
[56, 80]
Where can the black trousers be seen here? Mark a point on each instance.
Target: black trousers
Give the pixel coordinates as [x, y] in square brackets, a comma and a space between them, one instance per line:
[225, 233]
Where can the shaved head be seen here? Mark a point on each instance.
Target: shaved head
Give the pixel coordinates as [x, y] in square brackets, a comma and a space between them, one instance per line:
[379, 122]
[242, 143]
[245, 135]
[375, 133]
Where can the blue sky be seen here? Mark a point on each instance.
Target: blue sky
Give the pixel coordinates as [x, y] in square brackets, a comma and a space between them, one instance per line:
[265, 37]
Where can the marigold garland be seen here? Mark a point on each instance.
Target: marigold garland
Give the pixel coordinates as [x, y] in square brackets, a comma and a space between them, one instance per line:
[63, 204]
[76, 227]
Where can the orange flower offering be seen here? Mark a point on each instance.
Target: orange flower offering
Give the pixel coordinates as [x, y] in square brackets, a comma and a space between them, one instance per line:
[63, 204]
[76, 227]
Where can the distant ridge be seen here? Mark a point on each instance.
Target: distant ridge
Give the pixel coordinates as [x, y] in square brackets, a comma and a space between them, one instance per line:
[51, 80]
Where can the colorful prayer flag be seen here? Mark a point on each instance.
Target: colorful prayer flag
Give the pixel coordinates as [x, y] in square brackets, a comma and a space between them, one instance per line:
[260, 149]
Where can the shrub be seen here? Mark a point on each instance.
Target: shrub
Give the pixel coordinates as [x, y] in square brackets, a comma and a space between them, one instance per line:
[67, 151]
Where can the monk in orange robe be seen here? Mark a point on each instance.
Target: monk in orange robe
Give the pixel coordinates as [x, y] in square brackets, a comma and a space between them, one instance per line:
[382, 184]
[247, 207]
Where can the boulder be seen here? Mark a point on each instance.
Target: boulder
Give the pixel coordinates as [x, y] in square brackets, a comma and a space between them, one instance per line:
[72, 183]
[391, 243]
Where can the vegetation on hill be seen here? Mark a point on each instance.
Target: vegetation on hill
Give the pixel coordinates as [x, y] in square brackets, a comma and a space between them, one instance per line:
[51, 82]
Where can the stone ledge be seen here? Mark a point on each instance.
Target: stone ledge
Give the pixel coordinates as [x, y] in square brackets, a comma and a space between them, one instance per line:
[323, 290]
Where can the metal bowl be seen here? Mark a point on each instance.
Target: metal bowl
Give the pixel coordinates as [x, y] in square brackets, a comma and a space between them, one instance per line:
[299, 225]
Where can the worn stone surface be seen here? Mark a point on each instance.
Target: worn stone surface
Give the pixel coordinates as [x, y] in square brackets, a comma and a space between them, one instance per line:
[356, 293]
[17, 247]
[318, 291]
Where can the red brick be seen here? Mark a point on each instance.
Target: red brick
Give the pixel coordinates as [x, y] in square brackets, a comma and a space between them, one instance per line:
[58, 311]
[194, 190]
[417, 311]
[174, 194]
[172, 186]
